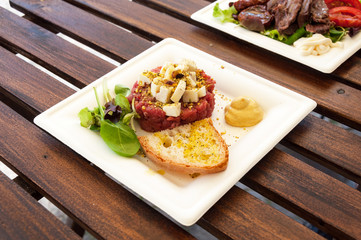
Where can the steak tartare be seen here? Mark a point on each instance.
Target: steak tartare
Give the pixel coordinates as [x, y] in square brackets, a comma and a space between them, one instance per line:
[172, 95]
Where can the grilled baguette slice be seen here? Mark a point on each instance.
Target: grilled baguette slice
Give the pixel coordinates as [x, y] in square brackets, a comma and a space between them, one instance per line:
[192, 148]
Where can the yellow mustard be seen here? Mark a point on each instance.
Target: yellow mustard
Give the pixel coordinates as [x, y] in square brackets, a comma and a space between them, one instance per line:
[243, 112]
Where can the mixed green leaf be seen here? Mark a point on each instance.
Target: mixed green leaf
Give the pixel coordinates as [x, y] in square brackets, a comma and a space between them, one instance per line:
[336, 33]
[225, 15]
[112, 121]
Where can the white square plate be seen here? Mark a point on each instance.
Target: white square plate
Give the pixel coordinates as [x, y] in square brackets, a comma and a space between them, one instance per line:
[326, 63]
[183, 198]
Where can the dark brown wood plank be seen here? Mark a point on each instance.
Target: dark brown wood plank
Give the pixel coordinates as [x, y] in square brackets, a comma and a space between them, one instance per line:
[52, 52]
[180, 9]
[351, 70]
[96, 202]
[22, 217]
[28, 88]
[334, 147]
[321, 87]
[238, 215]
[118, 44]
[327, 203]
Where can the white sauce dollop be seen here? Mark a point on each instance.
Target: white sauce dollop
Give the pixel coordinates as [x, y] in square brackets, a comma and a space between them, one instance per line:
[315, 45]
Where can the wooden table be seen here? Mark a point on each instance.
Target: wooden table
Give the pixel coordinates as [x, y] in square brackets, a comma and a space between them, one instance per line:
[306, 174]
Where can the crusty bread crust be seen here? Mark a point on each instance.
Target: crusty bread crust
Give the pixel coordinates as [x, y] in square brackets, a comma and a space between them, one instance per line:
[187, 168]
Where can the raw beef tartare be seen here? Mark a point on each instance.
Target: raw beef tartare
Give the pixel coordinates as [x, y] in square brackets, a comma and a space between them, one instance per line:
[173, 95]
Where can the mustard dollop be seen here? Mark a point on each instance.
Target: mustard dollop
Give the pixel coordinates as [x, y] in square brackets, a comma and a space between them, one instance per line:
[243, 112]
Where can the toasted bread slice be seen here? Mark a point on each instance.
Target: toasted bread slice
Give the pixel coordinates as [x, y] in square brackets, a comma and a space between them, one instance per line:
[192, 148]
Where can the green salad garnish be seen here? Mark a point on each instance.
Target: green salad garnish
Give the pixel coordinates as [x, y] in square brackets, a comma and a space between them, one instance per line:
[225, 15]
[114, 121]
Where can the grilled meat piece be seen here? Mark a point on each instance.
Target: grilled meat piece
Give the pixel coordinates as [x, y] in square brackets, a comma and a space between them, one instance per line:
[274, 5]
[319, 21]
[305, 12]
[243, 4]
[319, 11]
[291, 29]
[255, 18]
[289, 15]
[321, 28]
[285, 13]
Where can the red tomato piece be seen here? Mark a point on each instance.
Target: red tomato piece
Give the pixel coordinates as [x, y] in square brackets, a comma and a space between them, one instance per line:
[345, 16]
[346, 10]
[341, 3]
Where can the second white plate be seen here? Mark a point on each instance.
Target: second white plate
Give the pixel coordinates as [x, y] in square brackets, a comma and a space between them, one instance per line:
[326, 63]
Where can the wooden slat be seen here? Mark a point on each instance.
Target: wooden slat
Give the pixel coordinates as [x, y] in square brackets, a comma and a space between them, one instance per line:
[30, 89]
[118, 44]
[322, 200]
[331, 146]
[18, 209]
[50, 51]
[351, 70]
[318, 86]
[100, 205]
[238, 215]
[180, 9]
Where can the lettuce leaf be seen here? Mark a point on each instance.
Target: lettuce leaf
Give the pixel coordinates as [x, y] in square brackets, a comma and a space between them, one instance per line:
[336, 33]
[225, 15]
[274, 34]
